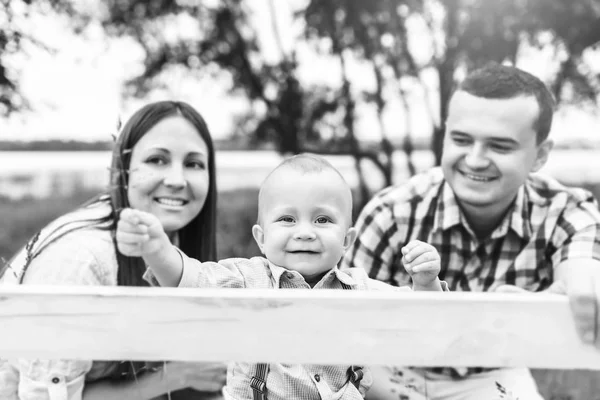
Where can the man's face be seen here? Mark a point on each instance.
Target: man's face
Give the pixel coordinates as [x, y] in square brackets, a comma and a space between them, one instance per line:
[489, 149]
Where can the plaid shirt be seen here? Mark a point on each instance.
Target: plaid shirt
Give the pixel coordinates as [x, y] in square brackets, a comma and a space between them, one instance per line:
[284, 381]
[547, 224]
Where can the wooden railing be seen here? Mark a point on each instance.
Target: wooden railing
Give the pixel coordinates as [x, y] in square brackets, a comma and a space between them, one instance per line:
[291, 326]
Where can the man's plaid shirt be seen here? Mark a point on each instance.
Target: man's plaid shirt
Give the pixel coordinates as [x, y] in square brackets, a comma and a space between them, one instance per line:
[547, 224]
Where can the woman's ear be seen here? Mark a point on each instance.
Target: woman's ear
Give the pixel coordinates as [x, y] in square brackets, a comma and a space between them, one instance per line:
[350, 238]
[259, 236]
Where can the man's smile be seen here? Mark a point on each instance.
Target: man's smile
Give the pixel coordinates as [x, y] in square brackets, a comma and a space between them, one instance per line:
[477, 177]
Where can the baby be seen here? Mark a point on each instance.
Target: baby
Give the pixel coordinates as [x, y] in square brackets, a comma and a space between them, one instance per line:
[304, 226]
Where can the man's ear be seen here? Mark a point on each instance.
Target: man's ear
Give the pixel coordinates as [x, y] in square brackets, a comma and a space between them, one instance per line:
[350, 237]
[259, 236]
[542, 154]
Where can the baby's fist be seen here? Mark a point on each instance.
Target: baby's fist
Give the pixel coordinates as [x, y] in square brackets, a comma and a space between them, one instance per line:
[422, 261]
[137, 232]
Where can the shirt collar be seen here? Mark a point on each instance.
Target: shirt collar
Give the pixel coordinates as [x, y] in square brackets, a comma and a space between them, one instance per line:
[448, 214]
[336, 274]
[520, 220]
[517, 218]
[343, 277]
[277, 272]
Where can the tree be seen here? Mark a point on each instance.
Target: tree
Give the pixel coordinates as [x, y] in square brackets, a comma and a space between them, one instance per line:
[463, 35]
[16, 36]
[297, 116]
[294, 115]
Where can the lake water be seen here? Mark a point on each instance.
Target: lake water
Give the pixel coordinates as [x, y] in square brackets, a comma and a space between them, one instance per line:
[39, 174]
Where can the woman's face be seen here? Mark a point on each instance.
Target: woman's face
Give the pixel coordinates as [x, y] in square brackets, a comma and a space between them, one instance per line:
[169, 173]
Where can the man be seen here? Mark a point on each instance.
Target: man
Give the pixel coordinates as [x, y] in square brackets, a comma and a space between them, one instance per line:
[493, 221]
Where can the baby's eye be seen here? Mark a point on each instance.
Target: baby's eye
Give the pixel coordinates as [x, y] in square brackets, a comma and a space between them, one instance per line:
[322, 220]
[286, 219]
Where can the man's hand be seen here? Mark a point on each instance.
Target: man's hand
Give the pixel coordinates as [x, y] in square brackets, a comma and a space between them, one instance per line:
[579, 279]
[422, 261]
[140, 234]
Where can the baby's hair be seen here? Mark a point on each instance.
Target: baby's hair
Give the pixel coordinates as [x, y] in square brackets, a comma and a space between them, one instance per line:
[307, 163]
[304, 163]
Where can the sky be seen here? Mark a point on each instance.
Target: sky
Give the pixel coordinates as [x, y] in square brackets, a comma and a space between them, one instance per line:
[76, 89]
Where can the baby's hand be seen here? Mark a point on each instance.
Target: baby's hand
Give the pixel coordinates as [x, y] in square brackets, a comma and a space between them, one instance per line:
[139, 233]
[422, 262]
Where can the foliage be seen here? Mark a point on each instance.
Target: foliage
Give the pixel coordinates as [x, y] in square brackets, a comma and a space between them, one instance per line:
[413, 51]
[16, 36]
[462, 35]
[388, 36]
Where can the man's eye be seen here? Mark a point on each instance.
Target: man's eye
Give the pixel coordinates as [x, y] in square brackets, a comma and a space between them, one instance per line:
[461, 141]
[322, 220]
[500, 148]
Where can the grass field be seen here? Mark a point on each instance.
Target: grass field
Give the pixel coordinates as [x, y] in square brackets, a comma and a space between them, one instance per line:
[237, 214]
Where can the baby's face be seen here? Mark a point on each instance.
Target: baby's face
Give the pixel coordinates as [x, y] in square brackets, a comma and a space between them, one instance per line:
[305, 221]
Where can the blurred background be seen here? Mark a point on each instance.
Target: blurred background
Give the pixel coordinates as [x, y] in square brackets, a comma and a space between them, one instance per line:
[365, 83]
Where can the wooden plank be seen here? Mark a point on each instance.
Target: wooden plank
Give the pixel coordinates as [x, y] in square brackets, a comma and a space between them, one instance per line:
[291, 326]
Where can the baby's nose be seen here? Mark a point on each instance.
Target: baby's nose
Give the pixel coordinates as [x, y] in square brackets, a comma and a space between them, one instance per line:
[304, 233]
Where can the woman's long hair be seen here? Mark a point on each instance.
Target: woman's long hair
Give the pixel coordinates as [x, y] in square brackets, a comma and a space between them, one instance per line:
[197, 239]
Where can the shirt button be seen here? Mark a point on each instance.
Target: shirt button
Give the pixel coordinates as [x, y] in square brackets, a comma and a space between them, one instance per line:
[317, 378]
[55, 380]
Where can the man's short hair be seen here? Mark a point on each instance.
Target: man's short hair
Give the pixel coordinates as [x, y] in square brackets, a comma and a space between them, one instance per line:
[495, 81]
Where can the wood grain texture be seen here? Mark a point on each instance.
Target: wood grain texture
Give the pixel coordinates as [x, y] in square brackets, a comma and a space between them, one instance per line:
[291, 326]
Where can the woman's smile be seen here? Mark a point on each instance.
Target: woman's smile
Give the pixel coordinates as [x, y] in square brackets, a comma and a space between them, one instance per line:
[171, 202]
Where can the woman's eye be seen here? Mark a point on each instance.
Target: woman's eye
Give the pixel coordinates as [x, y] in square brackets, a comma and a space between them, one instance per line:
[322, 220]
[196, 164]
[156, 160]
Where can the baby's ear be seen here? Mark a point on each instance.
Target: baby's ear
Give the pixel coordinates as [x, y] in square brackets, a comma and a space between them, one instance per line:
[350, 238]
[259, 236]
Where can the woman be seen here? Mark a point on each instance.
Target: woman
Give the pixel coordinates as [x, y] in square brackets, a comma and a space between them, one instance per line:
[162, 163]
